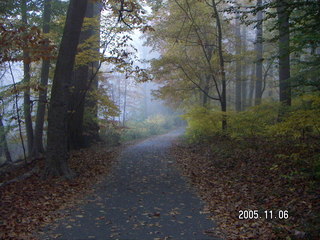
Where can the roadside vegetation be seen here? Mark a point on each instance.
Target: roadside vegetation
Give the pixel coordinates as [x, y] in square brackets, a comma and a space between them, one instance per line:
[259, 163]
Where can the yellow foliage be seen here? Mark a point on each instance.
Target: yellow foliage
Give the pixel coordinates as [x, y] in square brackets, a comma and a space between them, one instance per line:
[88, 52]
[302, 120]
[253, 122]
[202, 123]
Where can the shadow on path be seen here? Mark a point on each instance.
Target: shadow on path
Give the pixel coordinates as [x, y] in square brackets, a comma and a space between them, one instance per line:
[144, 198]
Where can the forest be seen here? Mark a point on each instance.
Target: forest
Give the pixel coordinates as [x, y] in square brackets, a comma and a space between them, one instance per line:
[219, 96]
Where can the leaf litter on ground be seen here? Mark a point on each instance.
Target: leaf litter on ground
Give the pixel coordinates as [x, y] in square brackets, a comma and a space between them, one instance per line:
[33, 203]
[230, 178]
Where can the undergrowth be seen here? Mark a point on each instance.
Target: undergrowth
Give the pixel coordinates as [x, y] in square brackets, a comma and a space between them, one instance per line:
[260, 162]
[299, 126]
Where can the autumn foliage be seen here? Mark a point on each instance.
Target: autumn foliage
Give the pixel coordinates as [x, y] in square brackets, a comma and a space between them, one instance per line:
[260, 163]
[14, 39]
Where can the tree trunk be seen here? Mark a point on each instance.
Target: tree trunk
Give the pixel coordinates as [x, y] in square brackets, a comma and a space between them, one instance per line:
[252, 85]
[75, 121]
[207, 78]
[4, 143]
[113, 99]
[124, 102]
[26, 81]
[80, 84]
[238, 102]
[206, 89]
[91, 126]
[41, 109]
[57, 150]
[223, 98]
[284, 53]
[119, 97]
[259, 55]
[145, 101]
[271, 85]
[244, 71]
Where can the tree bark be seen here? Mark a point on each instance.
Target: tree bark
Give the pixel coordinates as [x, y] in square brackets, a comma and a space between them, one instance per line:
[4, 143]
[124, 102]
[284, 53]
[206, 89]
[83, 126]
[91, 126]
[26, 81]
[119, 97]
[244, 71]
[57, 148]
[207, 78]
[145, 101]
[41, 109]
[238, 102]
[252, 85]
[80, 84]
[259, 55]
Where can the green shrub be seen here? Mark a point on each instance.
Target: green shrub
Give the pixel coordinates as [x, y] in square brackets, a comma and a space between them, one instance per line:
[298, 125]
[254, 122]
[202, 124]
[302, 121]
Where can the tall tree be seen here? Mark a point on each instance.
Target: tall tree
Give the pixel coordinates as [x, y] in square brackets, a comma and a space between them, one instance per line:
[259, 53]
[26, 81]
[223, 98]
[41, 109]
[196, 61]
[83, 125]
[124, 118]
[91, 126]
[244, 80]
[3, 141]
[56, 163]
[206, 87]
[80, 84]
[252, 85]
[238, 102]
[284, 52]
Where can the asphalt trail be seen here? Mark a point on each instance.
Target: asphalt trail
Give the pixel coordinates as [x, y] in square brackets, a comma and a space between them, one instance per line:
[143, 198]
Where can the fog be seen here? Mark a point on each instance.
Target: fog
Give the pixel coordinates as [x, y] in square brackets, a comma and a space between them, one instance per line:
[134, 99]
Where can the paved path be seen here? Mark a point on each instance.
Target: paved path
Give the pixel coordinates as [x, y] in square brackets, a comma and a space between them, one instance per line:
[144, 198]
